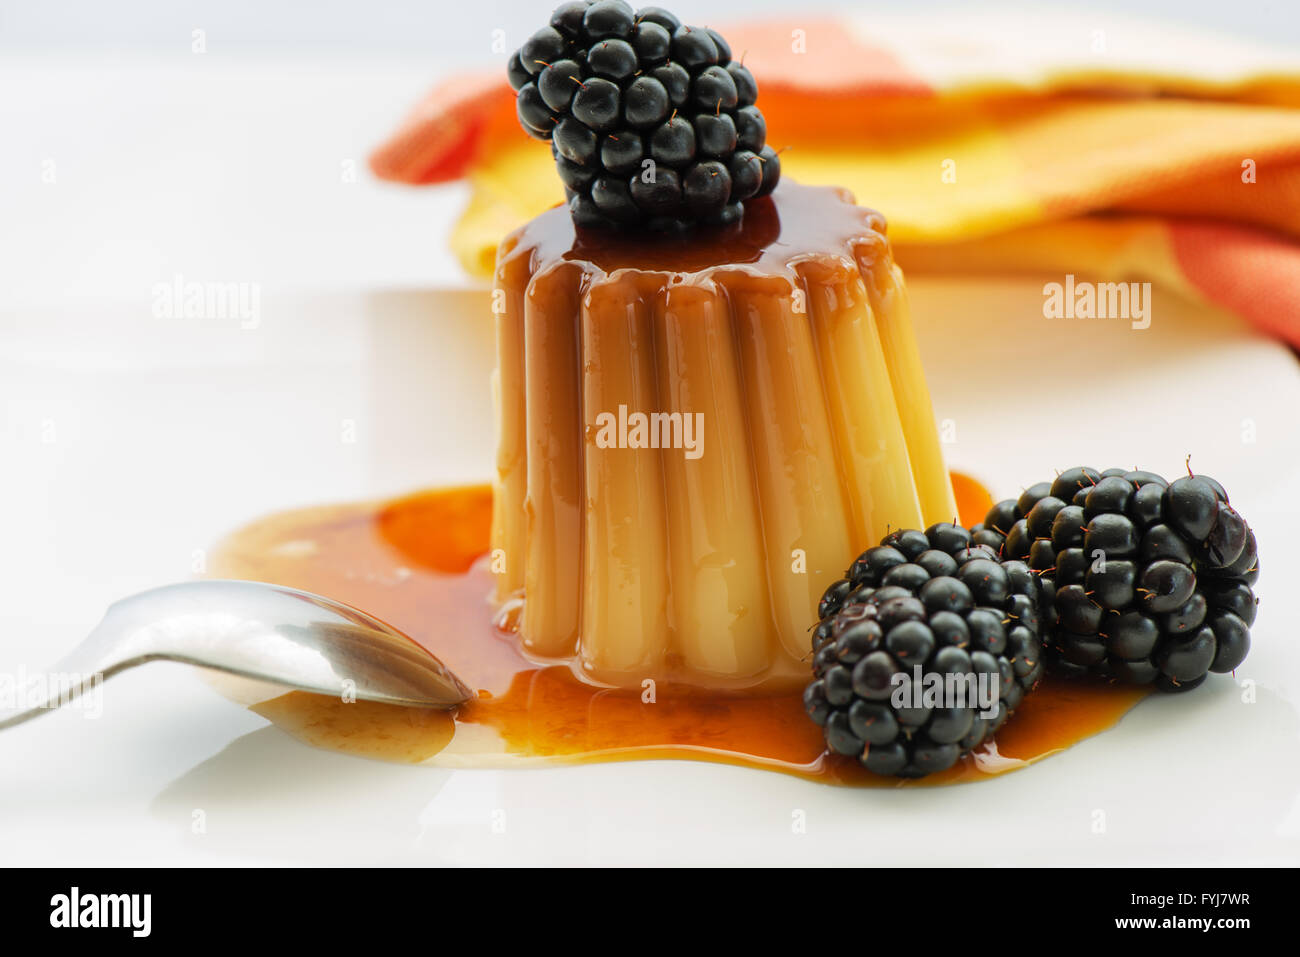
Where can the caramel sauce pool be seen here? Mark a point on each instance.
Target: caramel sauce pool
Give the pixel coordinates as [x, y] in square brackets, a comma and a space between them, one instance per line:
[413, 562]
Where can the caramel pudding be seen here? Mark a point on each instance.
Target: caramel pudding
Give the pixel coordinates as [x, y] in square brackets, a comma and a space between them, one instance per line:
[699, 426]
[791, 336]
[785, 425]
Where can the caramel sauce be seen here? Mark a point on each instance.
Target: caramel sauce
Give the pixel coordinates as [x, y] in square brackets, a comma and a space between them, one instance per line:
[415, 562]
[794, 224]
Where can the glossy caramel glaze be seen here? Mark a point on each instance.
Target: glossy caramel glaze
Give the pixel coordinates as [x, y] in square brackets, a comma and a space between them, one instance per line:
[418, 563]
[786, 340]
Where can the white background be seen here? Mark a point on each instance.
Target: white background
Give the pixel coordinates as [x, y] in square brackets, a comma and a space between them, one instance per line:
[427, 29]
[227, 167]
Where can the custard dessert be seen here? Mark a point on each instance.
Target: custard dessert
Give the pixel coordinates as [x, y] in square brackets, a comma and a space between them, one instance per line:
[708, 400]
[695, 431]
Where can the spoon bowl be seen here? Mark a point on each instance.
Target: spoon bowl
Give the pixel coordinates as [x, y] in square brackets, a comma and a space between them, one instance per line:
[256, 630]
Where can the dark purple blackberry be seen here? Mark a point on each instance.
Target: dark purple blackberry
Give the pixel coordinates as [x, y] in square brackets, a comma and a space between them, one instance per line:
[652, 124]
[1143, 581]
[929, 601]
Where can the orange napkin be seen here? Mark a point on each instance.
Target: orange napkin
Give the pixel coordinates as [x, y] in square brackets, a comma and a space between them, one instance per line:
[1056, 144]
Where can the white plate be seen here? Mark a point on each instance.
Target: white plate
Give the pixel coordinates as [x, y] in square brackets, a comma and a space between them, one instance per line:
[131, 443]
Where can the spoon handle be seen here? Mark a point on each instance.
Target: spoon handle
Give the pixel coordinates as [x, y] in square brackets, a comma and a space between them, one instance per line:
[80, 673]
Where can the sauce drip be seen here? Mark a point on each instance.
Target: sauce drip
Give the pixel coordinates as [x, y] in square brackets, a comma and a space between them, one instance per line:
[415, 562]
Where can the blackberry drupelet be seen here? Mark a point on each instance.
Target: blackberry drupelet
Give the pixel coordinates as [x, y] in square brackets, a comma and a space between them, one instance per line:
[652, 123]
[932, 599]
[1143, 580]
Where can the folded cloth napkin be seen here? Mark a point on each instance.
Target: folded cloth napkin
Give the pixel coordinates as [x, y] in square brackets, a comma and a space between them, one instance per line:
[993, 142]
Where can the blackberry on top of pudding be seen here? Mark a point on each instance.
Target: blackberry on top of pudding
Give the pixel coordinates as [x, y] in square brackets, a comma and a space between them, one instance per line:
[651, 122]
[686, 282]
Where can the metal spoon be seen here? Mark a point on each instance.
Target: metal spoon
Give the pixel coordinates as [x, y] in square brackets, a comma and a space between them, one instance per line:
[256, 630]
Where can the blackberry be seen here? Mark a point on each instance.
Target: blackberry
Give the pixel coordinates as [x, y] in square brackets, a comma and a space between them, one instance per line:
[1142, 580]
[934, 605]
[651, 122]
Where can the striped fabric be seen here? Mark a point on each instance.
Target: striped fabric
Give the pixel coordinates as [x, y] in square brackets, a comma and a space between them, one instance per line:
[1084, 144]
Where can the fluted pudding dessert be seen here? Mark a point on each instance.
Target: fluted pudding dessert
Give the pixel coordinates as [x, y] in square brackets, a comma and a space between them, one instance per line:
[694, 433]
